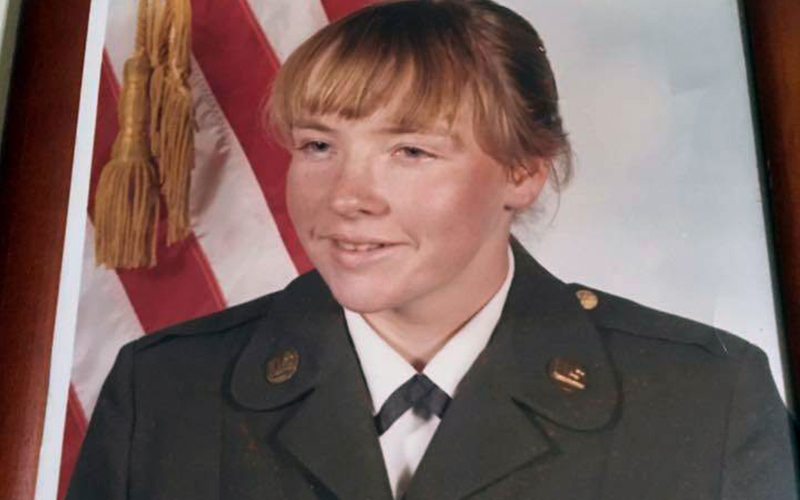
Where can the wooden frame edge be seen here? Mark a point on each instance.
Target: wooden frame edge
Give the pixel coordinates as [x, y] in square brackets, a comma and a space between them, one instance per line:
[35, 174]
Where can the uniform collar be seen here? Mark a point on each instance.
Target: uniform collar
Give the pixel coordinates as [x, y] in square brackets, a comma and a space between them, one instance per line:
[542, 320]
[385, 369]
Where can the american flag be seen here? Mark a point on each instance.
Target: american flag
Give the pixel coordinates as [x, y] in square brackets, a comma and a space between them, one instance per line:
[243, 244]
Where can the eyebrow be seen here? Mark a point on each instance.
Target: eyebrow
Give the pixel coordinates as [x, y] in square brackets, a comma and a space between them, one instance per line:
[439, 132]
[312, 125]
[405, 129]
[392, 129]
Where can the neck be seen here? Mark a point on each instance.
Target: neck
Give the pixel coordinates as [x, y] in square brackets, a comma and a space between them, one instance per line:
[418, 331]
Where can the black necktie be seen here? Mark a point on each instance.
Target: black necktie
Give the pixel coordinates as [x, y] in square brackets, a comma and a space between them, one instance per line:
[419, 393]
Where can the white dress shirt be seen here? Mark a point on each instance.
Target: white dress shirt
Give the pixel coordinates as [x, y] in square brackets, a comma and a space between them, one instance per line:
[405, 442]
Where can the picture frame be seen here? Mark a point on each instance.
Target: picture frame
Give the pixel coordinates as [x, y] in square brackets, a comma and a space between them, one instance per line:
[40, 137]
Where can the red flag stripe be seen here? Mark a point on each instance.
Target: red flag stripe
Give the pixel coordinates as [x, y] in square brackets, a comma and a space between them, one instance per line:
[181, 287]
[337, 9]
[214, 21]
[74, 431]
[106, 123]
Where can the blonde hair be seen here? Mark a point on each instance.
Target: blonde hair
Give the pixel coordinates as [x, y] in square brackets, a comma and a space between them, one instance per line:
[435, 56]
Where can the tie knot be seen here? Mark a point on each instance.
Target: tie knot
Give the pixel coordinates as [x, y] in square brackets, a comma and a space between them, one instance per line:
[419, 387]
[420, 394]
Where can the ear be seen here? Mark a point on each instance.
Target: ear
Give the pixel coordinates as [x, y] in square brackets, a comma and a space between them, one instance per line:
[525, 184]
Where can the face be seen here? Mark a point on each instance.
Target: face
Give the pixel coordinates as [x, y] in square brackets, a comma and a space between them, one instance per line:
[392, 217]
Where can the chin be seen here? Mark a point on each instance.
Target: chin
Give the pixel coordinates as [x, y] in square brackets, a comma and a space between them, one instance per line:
[365, 306]
[363, 302]
[359, 295]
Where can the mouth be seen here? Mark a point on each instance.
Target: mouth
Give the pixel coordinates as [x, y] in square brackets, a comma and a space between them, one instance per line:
[356, 252]
[357, 247]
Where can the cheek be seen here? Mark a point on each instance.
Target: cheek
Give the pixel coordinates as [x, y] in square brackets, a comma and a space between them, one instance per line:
[464, 208]
[303, 195]
[294, 193]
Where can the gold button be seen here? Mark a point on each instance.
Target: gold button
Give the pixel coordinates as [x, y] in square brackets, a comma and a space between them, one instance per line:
[569, 376]
[587, 298]
[282, 366]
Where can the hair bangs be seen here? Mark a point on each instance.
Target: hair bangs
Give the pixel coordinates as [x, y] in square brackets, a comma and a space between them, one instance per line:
[418, 75]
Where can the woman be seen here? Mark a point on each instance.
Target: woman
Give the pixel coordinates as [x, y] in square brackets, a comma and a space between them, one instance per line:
[429, 356]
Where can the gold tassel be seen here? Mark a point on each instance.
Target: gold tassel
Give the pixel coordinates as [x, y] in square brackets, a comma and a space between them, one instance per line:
[156, 118]
[157, 47]
[172, 129]
[126, 202]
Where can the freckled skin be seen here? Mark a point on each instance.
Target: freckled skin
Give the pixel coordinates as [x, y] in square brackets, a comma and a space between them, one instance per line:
[443, 205]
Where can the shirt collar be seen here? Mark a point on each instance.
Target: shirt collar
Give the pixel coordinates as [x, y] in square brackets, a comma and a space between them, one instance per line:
[385, 369]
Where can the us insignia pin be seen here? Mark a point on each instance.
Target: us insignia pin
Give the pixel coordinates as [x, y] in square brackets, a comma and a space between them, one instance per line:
[282, 366]
[587, 298]
[569, 376]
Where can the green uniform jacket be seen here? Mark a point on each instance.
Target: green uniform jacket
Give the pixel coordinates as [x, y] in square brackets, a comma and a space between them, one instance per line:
[671, 409]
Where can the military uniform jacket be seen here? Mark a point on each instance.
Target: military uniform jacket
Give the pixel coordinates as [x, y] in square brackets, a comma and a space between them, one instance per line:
[671, 409]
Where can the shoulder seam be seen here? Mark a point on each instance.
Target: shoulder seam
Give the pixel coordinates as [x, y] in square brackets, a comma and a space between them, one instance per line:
[174, 331]
[711, 341]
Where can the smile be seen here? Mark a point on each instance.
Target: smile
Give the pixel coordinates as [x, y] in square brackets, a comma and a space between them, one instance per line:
[357, 247]
[355, 253]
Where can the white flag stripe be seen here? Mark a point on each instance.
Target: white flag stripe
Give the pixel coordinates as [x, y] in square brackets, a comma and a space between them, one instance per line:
[287, 23]
[230, 216]
[106, 322]
[121, 33]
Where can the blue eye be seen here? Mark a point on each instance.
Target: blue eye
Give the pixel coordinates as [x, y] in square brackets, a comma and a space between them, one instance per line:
[414, 153]
[316, 150]
[315, 147]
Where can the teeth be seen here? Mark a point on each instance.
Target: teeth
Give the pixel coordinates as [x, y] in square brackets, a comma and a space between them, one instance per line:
[357, 247]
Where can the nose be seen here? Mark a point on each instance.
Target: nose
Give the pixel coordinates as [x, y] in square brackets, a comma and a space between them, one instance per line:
[355, 192]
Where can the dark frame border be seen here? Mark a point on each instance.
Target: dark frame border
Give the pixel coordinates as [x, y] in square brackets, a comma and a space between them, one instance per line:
[772, 30]
[36, 169]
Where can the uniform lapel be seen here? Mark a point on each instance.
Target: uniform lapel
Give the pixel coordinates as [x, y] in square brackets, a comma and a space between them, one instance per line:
[491, 429]
[330, 431]
[484, 435]
[333, 436]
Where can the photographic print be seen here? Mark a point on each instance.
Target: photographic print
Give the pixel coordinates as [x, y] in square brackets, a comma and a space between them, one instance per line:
[354, 168]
